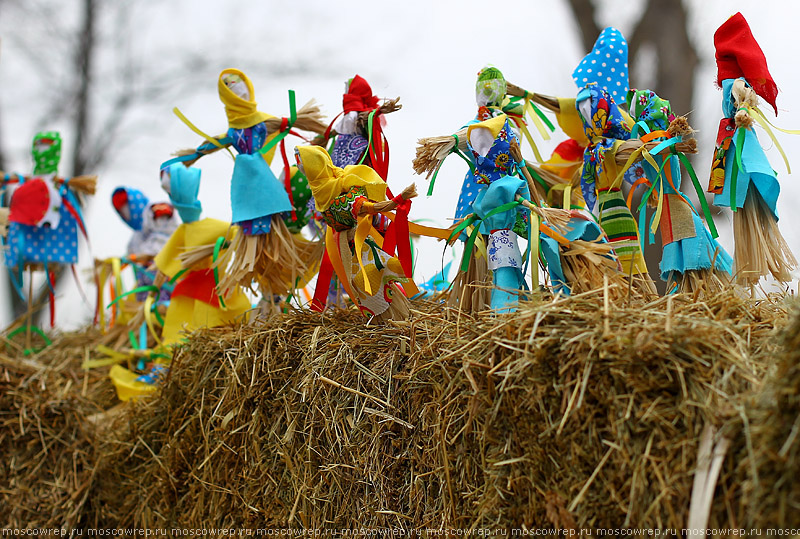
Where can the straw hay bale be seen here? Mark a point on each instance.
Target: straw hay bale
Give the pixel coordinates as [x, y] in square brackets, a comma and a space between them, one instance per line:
[541, 416]
[562, 414]
[47, 446]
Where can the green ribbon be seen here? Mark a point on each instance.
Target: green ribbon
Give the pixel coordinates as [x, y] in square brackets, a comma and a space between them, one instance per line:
[458, 152]
[542, 117]
[737, 165]
[282, 135]
[700, 194]
[643, 213]
[370, 118]
[34, 329]
[217, 246]
[474, 219]
[146, 288]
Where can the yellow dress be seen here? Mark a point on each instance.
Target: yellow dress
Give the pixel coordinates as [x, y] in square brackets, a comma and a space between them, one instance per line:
[194, 303]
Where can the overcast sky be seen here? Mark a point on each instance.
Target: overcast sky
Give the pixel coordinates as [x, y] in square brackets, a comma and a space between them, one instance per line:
[426, 52]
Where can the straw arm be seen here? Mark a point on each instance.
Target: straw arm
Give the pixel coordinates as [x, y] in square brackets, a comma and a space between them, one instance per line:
[431, 151]
[387, 107]
[628, 147]
[533, 187]
[547, 101]
[388, 205]
[309, 118]
[202, 150]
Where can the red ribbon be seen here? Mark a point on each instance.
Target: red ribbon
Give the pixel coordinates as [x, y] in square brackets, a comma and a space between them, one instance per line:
[323, 284]
[379, 149]
[397, 235]
[51, 278]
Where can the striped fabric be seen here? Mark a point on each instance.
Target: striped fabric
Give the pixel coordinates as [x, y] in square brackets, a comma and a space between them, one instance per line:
[618, 224]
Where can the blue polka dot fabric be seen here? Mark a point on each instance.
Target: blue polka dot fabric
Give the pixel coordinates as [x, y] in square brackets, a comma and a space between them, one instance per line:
[42, 244]
[137, 202]
[606, 65]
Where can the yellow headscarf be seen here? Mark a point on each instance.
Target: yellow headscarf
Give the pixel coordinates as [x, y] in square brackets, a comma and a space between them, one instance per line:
[241, 113]
[328, 181]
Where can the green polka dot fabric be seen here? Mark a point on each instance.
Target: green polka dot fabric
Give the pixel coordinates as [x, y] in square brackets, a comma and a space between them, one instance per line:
[490, 88]
[46, 150]
[301, 194]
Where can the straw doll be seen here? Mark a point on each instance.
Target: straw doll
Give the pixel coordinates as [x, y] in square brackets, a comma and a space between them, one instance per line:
[195, 300]
[348, 199]
[496, 187]
[692, 259]
[741, 176]
[44, 218]
[152, 223]
[265, 251]
[358, 138]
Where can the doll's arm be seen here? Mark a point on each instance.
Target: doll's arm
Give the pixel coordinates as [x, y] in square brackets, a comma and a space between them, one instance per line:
[204, 149]
[388, 205]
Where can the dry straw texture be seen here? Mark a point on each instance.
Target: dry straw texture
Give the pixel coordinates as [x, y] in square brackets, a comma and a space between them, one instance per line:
[563, 414]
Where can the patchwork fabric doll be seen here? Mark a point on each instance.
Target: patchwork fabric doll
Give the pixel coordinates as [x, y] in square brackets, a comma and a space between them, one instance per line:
[265, 251]
[44, 217]
[152, 222]
[348, 199]
[692, 259]
[44, 211]
[741, 176]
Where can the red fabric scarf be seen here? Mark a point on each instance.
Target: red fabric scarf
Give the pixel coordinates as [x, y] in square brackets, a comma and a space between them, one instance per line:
[738, 55]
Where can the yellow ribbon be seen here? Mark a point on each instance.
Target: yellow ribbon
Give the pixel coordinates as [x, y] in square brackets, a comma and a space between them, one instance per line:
[534, 246]
[332, 246]
[101, 301]
[148, 318]
[763, 122]
[535, 119]
[659, 207]
[529, 138]
[641, 151]
[116, 269]
[113, 358]
[197, 130]
[567, 197]
[362, 231]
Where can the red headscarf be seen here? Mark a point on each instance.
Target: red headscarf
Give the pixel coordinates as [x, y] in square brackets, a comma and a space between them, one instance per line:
[359, 96]
[738, 55]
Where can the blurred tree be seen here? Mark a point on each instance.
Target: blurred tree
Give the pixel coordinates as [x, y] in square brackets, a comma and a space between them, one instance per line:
[94, 98]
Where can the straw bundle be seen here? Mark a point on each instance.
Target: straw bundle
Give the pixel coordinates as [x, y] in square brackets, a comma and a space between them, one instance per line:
[86, 185]
[548, 102]
[431, 151]
[4, 212]
[309, 118]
